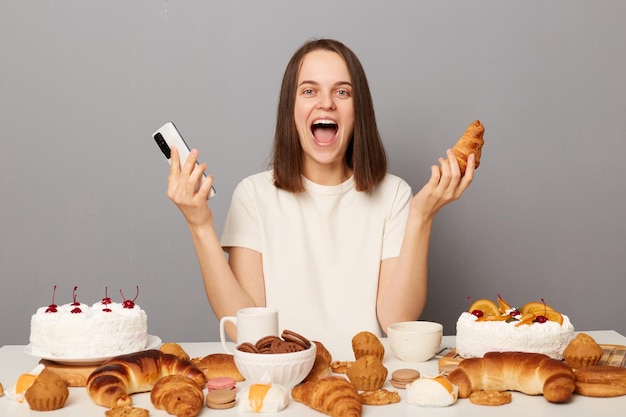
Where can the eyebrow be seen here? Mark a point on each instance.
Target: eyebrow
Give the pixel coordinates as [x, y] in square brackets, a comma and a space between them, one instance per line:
[316, 83]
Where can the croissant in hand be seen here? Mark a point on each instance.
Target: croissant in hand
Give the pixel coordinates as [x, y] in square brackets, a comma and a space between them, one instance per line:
[470, 143]
[332, 395]
[530, 373]
[112, 384]
[178, 395]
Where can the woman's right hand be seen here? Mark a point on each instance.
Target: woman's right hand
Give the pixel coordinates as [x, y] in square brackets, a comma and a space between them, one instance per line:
[181, 188]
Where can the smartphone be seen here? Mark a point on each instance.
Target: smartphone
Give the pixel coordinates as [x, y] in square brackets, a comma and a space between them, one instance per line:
[168, 135]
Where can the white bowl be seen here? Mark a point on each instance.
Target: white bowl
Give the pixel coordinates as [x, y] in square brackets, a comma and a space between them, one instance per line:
[415, 341]
[286, 369]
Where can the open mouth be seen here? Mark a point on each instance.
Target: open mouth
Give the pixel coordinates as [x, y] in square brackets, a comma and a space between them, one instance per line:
[324, 130]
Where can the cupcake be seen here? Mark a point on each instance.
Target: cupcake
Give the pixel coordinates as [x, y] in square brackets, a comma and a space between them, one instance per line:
[367, 373]
[366, 343]
[48, 392]
[582, 351]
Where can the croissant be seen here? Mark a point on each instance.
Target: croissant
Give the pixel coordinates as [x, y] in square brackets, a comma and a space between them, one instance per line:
[470, 142]
[178, 395]
[530, 373]
[111, 384]
[333, 395]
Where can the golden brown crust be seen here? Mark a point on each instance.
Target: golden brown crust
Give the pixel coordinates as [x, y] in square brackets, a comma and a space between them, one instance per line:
[490, 397]
[126, 411]
[379, 397]
[601, 381]
[530, 373]
[367, 373]
[333, 395]
[178, 395]
[471, 142]
[340, 367]
[320, 350]
[582, 351]
[174, 349]
[48, 392]
[367, 343]
[112, 384]
[220, 364]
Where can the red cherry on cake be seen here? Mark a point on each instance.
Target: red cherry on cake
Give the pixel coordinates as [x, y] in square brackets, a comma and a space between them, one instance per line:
[129, 303]
[52, 308]
[106, 300]
[478, 313]
[77, 309]
[541, 319]
[514, 312]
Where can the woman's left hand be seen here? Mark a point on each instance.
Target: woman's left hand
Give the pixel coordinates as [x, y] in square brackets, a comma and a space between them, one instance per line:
[444, 186]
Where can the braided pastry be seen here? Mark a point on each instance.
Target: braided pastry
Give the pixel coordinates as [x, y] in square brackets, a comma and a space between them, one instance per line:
[112, 384]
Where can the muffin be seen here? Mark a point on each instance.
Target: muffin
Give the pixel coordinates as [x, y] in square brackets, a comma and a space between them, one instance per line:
[367, 373]
[48, 392]
[366, 343]
[582, 351]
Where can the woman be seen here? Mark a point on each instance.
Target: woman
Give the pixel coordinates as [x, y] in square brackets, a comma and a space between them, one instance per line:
[327, 236]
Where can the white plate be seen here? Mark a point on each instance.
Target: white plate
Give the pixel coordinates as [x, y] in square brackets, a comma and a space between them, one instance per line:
[151, 343]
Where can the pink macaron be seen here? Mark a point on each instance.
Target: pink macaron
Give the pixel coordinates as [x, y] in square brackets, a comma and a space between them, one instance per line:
[221, 382]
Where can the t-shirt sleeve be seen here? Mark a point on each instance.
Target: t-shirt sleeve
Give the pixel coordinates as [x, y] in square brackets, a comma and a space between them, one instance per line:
[396, 222]
[241, 227]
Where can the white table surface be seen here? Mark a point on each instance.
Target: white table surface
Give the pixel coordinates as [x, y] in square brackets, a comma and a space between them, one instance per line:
[14, 362]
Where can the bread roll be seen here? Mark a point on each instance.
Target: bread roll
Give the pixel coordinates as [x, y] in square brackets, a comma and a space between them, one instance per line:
[112, 384]
[218, 365]
[601, 381]
[530, 373]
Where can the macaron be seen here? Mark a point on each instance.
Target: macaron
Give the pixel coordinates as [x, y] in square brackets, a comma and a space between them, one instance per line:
[221, 382]
[221, 399]
[401, 377]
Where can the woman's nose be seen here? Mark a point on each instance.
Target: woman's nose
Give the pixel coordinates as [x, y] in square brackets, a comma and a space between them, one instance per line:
[326, 101]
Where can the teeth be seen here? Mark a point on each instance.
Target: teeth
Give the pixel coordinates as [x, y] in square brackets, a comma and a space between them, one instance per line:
[324, 122]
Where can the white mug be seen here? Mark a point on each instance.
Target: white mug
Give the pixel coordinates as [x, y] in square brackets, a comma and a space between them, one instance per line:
[252, 324]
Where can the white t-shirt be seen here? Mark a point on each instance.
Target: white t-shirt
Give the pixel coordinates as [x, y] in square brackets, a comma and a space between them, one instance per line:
[321, 248]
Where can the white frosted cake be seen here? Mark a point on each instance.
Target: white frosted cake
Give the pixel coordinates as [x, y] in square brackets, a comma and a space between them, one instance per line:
[474, 338]
[77, 330]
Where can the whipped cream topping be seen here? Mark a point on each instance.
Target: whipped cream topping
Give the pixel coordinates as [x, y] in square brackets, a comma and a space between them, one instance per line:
[475, 338]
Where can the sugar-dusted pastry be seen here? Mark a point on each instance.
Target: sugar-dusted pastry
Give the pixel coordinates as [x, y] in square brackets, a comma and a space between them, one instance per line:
[367, 343]
[583, 350]
[471, 142]
[367, 373]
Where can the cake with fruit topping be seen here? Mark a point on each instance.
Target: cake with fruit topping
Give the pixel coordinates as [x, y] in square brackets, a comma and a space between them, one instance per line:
[77, 330]
[490, 327]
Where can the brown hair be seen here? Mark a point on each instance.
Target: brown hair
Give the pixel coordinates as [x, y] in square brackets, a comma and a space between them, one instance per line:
[365, 154]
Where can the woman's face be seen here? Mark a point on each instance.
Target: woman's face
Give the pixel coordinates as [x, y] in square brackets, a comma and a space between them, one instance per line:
[324, 110]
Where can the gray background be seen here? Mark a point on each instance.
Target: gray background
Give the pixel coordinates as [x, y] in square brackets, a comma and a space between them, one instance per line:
[82, 185]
